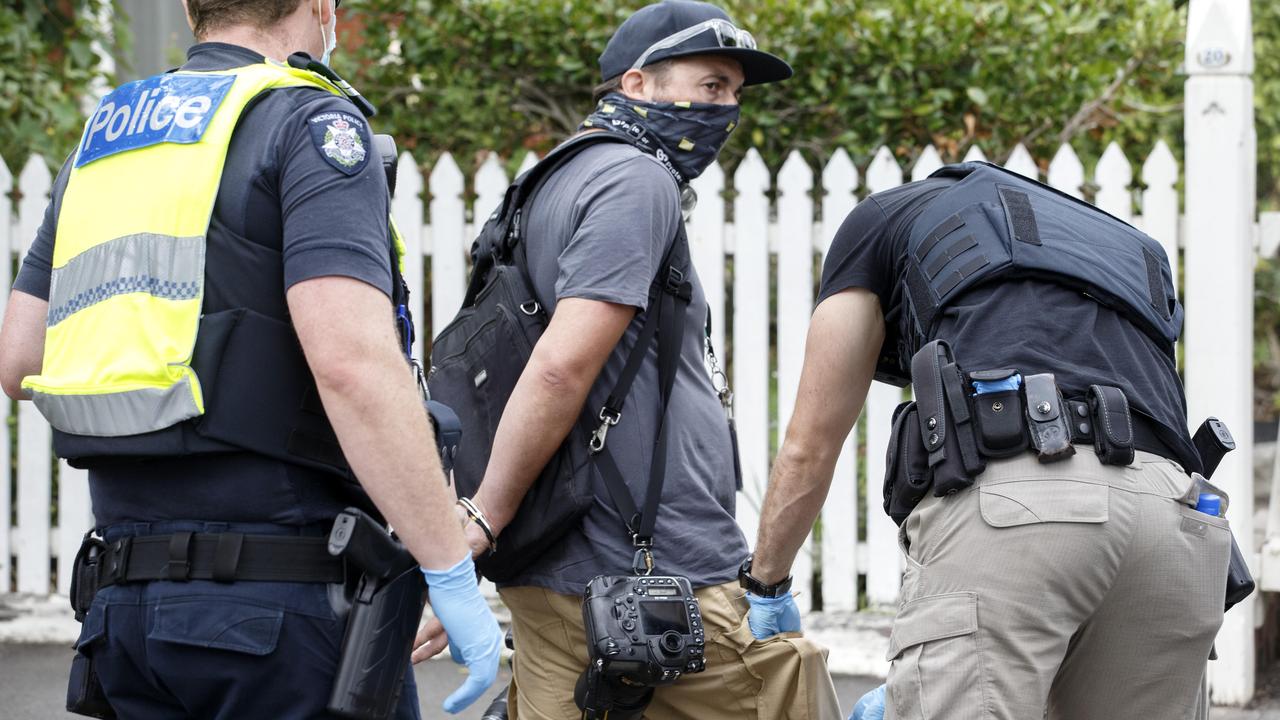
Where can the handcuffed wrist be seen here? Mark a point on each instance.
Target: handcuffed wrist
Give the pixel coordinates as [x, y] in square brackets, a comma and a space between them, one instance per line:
[477, 516]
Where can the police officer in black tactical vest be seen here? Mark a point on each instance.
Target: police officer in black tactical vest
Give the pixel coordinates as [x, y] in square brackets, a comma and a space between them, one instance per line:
[1056, 564]
[207, 317]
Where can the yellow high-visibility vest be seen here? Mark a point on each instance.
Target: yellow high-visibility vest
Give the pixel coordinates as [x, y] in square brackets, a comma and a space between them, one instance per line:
[129, 254]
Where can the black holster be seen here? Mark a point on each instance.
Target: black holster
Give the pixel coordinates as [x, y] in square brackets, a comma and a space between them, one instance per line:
[907, 476]
[85, 695]
[389, 598]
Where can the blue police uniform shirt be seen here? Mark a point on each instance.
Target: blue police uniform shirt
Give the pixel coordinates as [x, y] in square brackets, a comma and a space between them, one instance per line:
[288, 209]
[1031, 325]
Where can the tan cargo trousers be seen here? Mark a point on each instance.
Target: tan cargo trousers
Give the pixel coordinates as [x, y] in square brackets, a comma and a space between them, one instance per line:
[784, 677]
[1072, 591]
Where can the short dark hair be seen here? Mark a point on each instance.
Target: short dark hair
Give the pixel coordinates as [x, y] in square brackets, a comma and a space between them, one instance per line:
[209, 15]
[658, 70]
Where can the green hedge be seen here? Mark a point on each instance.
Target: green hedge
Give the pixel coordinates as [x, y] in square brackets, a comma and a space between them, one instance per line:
[48, 63]
[512, 74]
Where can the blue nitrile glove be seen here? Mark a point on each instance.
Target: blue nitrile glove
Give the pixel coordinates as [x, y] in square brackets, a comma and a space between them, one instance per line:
[474, 637]
[870, 706]
[770, 616]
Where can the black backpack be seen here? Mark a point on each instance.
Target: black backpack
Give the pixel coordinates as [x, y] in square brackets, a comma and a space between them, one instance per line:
[478, 358]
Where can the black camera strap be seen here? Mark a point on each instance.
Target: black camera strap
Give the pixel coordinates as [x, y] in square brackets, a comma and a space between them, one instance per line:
[666, 317]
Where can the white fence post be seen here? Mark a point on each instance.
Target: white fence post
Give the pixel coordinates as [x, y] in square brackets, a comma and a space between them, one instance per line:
[706, 248]
[1221, 165]
[75, 518]
[751, 334]
[1066, 172]
[35, 466]
[884, 562]
[840, 514]
[928, 162]
[8, 243]
[491, 185]
[1113, 175]
[448, 228]
[1021, 162]
[1160, 201]
[795, 302]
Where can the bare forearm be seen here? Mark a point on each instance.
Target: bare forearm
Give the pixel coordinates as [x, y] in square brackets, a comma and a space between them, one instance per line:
[372, 401]
[844, 339]
[797, 490]
[21, 342]
[545, 400]
[386, 437]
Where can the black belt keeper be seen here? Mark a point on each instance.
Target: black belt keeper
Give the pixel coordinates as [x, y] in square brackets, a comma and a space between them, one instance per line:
[179, 567]
[226, 556]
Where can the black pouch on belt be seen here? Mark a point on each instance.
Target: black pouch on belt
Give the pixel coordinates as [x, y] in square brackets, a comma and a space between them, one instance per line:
[907, 477]
[946, 424]
[1001, 429]
[1047, 422]
[1112, 425]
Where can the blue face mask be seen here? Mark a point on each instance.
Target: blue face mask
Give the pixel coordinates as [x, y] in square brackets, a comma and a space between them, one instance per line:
[685, 137]
[329, 34]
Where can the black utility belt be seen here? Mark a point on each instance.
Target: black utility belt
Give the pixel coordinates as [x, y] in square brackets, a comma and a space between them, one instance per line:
[184, 556]
[941, 442]
[1037, 416]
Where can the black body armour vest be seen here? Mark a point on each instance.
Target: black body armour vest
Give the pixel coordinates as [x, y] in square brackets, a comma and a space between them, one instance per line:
[995, 225]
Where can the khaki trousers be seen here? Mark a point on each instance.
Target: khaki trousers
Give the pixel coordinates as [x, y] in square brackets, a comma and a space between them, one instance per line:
[1072, 591]
[782, 677]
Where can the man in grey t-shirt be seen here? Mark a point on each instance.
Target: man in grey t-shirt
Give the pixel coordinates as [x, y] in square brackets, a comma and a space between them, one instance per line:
[598, 229]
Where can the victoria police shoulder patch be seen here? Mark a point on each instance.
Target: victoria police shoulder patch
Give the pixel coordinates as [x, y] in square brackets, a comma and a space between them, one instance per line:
[341, 138]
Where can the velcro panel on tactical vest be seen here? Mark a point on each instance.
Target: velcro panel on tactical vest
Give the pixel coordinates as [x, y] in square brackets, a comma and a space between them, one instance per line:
[1021, 228]
[1022, 219]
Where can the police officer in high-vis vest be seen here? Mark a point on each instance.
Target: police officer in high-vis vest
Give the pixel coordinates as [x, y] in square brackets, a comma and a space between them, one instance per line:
[208, 320]
[1056, 564]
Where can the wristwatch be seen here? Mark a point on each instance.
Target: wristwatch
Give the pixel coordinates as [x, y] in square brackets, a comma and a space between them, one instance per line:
[755, 587]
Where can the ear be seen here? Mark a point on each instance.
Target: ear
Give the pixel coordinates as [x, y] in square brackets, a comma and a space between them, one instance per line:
[323, 10]
[191, 23]
[636, 85]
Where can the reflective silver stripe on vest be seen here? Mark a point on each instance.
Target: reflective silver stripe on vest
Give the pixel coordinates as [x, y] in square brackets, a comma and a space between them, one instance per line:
[162, 266]
[117, 414]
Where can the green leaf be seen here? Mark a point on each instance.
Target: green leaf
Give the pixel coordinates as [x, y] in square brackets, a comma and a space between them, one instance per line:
[977, 95]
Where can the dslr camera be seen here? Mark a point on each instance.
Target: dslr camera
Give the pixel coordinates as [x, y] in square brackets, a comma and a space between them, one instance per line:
[642, 632]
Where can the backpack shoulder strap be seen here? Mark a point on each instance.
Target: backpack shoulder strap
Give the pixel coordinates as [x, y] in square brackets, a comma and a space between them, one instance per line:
[501, 232]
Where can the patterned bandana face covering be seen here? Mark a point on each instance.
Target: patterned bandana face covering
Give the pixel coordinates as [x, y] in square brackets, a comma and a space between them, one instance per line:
[684, 137]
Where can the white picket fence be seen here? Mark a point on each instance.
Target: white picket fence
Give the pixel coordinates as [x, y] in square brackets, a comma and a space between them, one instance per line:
[788, 230]
[49, 528]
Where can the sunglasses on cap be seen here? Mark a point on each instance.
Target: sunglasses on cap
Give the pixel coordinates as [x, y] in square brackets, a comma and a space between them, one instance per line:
[727, 36]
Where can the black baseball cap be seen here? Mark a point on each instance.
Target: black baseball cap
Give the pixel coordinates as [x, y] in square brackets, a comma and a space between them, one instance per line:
[653, 24]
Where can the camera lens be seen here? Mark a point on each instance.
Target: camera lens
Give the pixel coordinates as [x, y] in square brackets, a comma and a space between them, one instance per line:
[672, 642]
